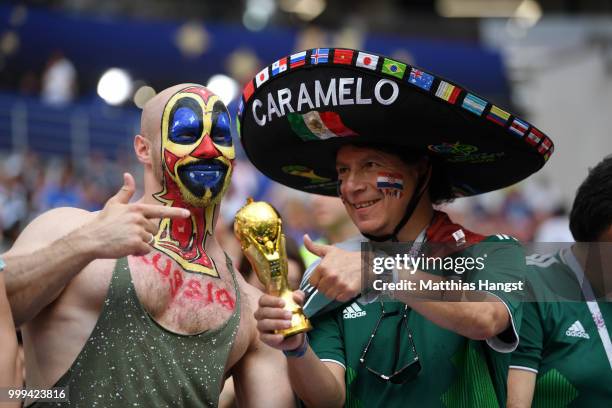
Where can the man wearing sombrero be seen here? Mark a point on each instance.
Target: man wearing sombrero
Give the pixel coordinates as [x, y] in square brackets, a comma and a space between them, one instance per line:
[391, 140]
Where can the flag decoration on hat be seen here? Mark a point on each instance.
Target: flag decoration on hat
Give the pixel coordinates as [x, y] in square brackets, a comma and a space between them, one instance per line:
[545, 145]
[297, 60]
[448, 92]
[319, 56]
[365, 60]
[421, 79]
[498, 115]
[519, 127]
[343, 56]
[390, 184]
[279, 66]
[549, 153]
[316, 125]
[360, 94]
[262, 77]
[393, 68]
[248, 91]
[474, 104]
[534, 137]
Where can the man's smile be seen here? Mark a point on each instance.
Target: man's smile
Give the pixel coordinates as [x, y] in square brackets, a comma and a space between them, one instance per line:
[365, 204]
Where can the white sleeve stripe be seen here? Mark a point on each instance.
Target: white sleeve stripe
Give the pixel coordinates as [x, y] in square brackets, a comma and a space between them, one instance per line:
[516, 367]
[498, 345]
[329, 360]
[312, 296]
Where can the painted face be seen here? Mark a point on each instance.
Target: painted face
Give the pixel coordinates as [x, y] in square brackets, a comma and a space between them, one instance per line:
[375, 187]
[197, 147]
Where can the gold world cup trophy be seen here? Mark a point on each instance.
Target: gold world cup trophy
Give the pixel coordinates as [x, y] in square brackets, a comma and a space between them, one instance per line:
[258, 227]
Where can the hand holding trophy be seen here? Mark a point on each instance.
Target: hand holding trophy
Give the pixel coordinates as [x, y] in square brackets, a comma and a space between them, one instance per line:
[258, 227]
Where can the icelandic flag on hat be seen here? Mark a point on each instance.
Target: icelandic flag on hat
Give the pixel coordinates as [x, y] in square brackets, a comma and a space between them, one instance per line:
[365, 60]
[279, 66]
[297, 60]
[319, 55]
[262, 77]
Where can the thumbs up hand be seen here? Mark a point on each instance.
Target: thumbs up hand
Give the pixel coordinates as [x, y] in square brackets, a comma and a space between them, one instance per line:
[338, 276]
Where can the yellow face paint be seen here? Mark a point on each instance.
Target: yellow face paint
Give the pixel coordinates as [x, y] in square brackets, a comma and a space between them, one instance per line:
[197, 146]
[197, 158]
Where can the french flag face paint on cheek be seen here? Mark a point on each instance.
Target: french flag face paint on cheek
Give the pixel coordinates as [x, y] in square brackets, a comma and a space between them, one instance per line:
[391, 184]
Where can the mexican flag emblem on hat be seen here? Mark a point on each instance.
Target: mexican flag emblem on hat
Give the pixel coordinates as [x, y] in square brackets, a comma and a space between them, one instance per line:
[297, 112]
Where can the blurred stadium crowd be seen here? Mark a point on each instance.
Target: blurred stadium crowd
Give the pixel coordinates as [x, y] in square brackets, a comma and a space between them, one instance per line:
[31, 183]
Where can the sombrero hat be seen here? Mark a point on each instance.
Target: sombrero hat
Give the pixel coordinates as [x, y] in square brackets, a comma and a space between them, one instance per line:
[297, 112]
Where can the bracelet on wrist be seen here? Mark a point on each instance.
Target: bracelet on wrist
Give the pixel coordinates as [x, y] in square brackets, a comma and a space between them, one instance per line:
[299, 351]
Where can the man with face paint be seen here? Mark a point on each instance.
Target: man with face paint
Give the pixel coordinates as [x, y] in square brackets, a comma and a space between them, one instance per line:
[138, 305]
[392, 141]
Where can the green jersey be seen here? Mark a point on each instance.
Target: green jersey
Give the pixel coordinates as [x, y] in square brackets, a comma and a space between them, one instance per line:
[456, 371]
[566, 343]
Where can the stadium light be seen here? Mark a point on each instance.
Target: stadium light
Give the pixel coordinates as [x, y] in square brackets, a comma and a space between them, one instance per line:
[142, 95]
[115, 86]
[257, 14]
[227, 88]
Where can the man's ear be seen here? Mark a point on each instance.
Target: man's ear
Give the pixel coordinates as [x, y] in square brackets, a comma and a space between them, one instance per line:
[142, 148]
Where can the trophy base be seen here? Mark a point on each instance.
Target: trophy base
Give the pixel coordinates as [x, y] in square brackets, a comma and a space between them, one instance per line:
[299, 324]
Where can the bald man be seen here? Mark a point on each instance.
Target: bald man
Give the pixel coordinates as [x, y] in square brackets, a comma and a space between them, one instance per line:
[137, 305]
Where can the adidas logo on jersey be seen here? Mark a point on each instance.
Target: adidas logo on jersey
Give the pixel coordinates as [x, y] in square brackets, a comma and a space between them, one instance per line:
[577, 330]
[353, 311]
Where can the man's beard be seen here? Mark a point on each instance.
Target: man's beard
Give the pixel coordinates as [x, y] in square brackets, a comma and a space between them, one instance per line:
[183, 196]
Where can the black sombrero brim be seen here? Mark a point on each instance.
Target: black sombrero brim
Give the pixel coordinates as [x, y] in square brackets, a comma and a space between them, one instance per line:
[297, 112]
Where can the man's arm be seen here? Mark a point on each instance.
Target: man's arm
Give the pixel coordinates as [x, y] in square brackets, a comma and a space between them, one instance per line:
[59, 244]
[526, 359]
[475, 320]
[9, 377]
[261, 380]
[521, 386]
[317, 383]
[338, 276]
[260, 377]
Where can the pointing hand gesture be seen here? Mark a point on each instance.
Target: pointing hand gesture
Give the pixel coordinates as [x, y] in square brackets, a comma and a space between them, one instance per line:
[122, 229]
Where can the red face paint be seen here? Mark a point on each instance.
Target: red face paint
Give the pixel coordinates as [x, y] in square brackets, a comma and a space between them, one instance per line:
[198, 154]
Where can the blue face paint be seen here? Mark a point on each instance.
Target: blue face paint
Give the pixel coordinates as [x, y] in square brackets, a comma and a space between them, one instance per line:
[201, 176]
[221, 132]
[186, 126]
